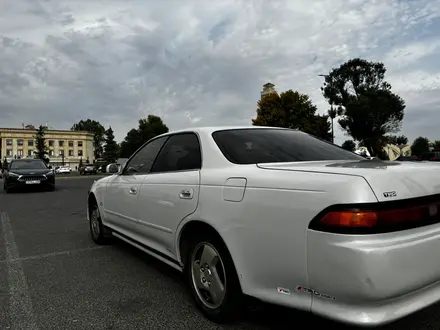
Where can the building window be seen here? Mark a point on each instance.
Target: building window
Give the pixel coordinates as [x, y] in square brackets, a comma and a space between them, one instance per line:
[61, 153]
[80, 143]
[9, 142]
[70, 143]
[61, 143]
[19, 142]
[9, 152]
[30, 152]
[51, 153]
[20, 152]
[80, 153]
[51, 143]
[71, 154]
[30, 143]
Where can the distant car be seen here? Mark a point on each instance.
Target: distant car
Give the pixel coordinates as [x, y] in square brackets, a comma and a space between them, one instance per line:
[88, 169]
[281, 216]
[63, 170]
[433, 156]
[408, 159]
[23, 173]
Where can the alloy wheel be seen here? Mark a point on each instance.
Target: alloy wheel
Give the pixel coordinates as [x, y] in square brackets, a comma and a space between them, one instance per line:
[208, 275]
[94, 223]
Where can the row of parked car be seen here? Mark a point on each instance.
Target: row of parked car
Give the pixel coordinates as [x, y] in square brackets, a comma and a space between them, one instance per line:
[85, 169]
[433, 156]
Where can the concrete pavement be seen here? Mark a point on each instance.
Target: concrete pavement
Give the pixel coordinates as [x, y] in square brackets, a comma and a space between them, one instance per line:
[52, 276]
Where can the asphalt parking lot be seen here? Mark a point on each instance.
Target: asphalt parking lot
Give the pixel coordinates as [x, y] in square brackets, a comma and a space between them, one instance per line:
[52, 276]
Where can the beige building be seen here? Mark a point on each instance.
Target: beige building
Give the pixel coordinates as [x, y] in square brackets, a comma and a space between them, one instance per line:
[67, 146]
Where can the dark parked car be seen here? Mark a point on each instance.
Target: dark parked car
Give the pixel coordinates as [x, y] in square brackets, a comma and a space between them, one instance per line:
[22, 173]
[88, 169]
[433, 156]
[408, 159]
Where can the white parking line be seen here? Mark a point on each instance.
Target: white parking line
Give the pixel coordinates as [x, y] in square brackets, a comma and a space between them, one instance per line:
[60, 253]
[20, 303]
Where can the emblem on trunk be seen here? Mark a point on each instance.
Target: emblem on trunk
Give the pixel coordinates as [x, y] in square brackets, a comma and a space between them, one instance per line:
[390, 194]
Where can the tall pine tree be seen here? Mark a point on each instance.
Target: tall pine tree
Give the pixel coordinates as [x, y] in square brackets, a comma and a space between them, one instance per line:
[40, 143]
[111, 148]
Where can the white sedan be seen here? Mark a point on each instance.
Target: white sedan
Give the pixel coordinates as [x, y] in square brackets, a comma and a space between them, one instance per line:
[281, 216]
[63, 170]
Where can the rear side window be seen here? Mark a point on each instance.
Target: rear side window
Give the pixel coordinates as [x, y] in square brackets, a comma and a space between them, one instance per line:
[180, 153]
[252, 146]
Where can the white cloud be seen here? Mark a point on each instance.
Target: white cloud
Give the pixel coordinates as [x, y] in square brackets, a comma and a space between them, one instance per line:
[203, 63]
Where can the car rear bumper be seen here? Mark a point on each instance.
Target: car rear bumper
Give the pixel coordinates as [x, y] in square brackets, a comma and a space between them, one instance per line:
[374, 279]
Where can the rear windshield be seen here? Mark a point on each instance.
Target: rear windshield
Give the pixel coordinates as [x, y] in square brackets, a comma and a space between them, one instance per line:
[28, 164]
[252, 146]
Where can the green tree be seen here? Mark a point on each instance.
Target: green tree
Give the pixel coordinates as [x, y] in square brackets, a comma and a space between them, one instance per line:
[436, 145]
[396, 140]
[40, 143]
[292, 109]
[98, 131]
[349, 145]
[147, 129]
[420, 146]
[369, 109]
[111, 148]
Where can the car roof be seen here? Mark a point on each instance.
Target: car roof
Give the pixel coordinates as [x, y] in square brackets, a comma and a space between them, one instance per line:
[212, 129]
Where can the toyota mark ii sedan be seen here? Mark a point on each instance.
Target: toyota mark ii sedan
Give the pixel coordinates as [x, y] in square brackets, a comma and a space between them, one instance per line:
[280, 216]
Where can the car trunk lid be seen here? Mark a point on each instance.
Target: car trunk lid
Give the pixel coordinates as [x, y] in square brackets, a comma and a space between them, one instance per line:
[388, 180]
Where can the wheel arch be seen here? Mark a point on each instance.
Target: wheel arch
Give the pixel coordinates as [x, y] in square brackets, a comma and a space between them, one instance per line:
[186, 234]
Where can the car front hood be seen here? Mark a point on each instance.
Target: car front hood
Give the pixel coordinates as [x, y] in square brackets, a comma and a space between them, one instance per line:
[389, 180]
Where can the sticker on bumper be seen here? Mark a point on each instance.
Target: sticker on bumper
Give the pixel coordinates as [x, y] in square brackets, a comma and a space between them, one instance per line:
[314, 292]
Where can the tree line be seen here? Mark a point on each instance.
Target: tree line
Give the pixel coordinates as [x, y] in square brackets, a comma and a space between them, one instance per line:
[360, 101]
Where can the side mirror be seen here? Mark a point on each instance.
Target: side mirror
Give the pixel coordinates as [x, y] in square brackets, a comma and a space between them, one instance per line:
[112, 168]
[50, 167]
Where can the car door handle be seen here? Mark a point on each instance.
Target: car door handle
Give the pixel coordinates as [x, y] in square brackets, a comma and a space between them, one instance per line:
[186, 193]
[132, 191]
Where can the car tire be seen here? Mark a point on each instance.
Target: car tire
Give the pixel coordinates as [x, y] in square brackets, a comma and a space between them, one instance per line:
[221, 271]
[100, 234]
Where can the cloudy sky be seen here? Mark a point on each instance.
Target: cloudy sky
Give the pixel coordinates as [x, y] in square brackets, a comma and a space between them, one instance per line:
[197, 62]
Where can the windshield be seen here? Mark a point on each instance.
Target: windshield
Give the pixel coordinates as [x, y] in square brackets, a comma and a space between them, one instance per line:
[28, 164]
[252, 146]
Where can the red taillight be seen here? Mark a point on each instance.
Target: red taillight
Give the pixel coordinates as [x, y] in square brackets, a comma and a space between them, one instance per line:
[379, 219]
[350, 219]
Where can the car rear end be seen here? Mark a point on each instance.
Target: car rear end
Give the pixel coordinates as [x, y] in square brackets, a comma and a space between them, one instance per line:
[379, 261]
[369, 261]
